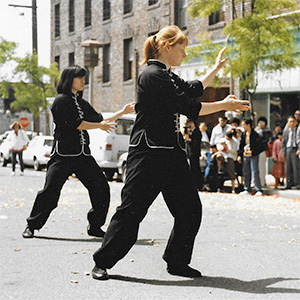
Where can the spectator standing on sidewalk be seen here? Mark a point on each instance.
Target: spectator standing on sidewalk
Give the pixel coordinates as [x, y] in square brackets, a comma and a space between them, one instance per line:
[278, 170]
[203, 130]
[72, 116]
[18, 140]
[219, 131]
[266, 135]
[193, 141]
[249, 150]
[230, 156]
[290, 153]
[157, 160]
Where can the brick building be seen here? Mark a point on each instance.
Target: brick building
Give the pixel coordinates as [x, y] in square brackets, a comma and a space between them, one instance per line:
[121, 26]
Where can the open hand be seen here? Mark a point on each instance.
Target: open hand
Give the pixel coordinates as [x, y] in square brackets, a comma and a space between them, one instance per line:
[220, 60]
[231, 103]
[129, 108]
[106, 126]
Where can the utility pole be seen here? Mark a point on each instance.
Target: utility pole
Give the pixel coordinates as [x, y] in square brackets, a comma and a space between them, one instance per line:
[36, 121]
[34, 23]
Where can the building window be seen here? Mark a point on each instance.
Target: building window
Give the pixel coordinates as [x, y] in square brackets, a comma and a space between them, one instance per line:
[57, 60]
[151, 2]
[127, 6]
[71, 59]
[106, 10]
[57, 20]
[106, 63]
[128, 58]
[217, 16]
[181, 16]
[71, 16]
[87, 13]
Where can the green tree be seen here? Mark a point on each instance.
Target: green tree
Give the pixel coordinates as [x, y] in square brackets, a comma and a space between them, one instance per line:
[33, 89]
[262, 40]
[7, 50]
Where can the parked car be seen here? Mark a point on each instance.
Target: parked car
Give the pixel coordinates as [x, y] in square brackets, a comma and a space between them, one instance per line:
[3, 136]
[122, 166]
[38, 151]
[5, 153]
[108, 147]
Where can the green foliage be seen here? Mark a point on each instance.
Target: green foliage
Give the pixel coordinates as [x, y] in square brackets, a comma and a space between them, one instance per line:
[7, 50]
[204, 7]
[255, 42]
[31, 94]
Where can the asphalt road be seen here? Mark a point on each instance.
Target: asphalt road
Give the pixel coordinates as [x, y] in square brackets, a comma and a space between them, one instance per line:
[247, 248]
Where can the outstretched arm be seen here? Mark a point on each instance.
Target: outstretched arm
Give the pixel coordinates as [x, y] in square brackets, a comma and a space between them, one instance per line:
[127, 109]
[219, 64]
[230, 103]
[104, 125]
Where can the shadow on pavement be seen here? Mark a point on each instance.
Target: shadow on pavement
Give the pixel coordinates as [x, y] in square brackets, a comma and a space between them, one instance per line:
[141, 242]
[255, 287]
[93, 239]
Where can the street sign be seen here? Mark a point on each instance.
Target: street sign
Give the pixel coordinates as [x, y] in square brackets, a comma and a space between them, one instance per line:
[24, 122]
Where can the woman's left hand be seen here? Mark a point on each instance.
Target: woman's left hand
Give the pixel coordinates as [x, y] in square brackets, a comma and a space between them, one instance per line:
[129, 108]
[232, 104]
[220, 60]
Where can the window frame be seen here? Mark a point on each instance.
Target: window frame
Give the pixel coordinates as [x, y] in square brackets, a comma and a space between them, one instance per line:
[71, 16]
[87, 13]
[106, 63]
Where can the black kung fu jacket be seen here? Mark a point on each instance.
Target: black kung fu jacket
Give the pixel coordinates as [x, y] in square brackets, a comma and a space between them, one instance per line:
[161, 97]
[68, 112]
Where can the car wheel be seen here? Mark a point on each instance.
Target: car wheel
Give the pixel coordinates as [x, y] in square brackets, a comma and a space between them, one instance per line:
[123, 175]
[3, 161]
[109, 174]
[36, 165]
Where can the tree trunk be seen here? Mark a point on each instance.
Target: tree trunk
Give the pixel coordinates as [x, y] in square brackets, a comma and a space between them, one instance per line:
[47, 123]
[36, 124]
[252, 113]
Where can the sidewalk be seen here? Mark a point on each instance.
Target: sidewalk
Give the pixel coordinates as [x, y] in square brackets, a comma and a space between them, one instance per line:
[269, 189]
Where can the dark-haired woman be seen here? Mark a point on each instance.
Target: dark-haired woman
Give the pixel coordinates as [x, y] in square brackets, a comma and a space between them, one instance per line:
[157, 159]
[72, 116]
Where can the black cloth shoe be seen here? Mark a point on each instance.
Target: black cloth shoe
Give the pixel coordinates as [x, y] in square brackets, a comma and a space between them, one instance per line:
[93, 231]
[183, 270]
[28, 233]
[99, 273]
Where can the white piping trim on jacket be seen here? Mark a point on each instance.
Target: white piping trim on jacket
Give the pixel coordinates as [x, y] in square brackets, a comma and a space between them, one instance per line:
[147, 142]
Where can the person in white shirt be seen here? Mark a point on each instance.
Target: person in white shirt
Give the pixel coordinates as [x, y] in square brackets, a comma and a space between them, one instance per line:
[18, 141]
[230, 155]
[219, 131]
[203, 130]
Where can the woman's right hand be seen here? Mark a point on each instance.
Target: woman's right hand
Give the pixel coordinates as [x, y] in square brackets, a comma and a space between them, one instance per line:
[106, 126]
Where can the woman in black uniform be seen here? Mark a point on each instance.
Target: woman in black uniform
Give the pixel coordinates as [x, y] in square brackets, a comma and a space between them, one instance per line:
[157, 159]
[72, 116]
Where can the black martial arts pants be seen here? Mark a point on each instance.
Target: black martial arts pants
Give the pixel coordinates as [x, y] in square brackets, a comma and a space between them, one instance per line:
[165, 171]
[58, 170]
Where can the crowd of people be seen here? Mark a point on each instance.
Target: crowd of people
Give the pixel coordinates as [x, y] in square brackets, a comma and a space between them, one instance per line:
[239, 151]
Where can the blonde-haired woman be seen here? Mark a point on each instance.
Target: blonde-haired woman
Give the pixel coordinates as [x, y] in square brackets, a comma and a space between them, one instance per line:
[157, 159]
[18, 140]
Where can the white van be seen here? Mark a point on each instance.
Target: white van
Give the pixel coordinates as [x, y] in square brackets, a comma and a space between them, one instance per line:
[108, 147]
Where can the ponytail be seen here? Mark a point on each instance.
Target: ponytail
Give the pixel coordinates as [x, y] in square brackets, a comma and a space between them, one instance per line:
[150, 49]
[171, 34]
